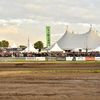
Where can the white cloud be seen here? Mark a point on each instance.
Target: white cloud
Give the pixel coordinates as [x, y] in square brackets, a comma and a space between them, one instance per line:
[22, 18]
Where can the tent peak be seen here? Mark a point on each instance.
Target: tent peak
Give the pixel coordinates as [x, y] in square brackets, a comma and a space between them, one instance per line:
[14, 45]
[56, 48]
[30, 48]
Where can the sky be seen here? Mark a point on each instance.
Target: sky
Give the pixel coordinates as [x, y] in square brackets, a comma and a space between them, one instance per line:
[20, 19]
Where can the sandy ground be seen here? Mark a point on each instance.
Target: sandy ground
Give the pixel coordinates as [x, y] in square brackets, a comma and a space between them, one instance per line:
[47, 66]
[49, 85]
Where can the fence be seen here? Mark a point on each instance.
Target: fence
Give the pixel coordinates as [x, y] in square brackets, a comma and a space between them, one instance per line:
[49, 59]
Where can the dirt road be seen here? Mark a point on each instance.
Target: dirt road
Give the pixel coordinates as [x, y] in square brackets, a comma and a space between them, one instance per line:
[47, 66]
[49, 85]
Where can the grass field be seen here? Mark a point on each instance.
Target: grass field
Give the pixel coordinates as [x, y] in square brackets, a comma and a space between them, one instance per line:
[73, 62]
[54, 62]
[90, 71]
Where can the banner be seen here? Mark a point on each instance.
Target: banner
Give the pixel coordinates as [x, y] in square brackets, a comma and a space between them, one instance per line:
[69, 58]
[30, 58]
[35, 58]
[48, 36]
[40, 58]
[90, 58]
[97, 58]
[61, 59]
[80, 58]
[13, 49]
[3, 49]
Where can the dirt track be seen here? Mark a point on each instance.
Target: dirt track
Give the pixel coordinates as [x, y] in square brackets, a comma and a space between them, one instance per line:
[47, 66]
[49, 85]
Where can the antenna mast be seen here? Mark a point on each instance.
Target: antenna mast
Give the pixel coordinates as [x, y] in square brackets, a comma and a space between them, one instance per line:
[28, 44]
[86, 45]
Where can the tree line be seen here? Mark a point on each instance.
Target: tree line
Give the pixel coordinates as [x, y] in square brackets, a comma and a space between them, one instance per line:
[37, 45]
[4, 43]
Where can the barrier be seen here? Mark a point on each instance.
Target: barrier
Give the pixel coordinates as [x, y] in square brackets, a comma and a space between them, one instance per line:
[74, 59]
[40, 58]
[89, 58]
[80, 58]
[35, 58]
[49, 59]
[11, 58]
[69, 58]
[30, 58]
[97, 58]
[61, 58]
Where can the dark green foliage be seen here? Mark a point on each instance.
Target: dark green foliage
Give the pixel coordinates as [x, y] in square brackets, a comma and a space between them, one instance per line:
[23, 47]
[0, 44]
[4, 43]
[38, 45]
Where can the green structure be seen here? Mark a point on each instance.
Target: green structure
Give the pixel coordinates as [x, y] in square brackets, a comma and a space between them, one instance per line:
[48, 36]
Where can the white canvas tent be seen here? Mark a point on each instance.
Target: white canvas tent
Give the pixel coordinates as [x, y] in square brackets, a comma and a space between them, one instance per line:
[14, 48]
[70, 40]
[30, 48]
[43, 50]
[96, 49]
[78, 50]
[14, 45]
[56, 48]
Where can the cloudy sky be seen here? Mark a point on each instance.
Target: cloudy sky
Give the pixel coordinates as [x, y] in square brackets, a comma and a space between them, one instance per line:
[20, 19]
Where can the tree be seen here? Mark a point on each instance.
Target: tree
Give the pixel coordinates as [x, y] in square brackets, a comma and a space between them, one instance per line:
[4, 43]
[38, 45]
[0, 46]
[23, 47]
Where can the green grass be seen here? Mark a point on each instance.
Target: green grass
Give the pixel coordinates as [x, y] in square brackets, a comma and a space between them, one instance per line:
[54, 61]
[93, 71]
[62, 62]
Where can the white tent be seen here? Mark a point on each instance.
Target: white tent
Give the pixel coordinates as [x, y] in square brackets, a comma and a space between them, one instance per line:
[43, 50]
[69, 40]
[96, 49]
[56, 48]
[78, 50]
[14, 45]
[30, 48]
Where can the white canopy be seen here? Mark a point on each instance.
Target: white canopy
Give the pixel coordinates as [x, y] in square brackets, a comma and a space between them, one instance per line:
[78, 50]
[56, 48]
[14, 45]
[69, 40]
[97, 49]
[30, 49]
[43, 50]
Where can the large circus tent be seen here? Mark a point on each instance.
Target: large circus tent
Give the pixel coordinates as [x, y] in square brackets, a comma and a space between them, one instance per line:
[70, 40]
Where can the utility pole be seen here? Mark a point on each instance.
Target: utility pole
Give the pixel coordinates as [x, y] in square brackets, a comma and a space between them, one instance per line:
[86, 45]
[28, 44]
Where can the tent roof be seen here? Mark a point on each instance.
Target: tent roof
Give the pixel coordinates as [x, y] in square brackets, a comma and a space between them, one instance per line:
[77, 50]
[14, 45]
[69, 40]
[30, 49]
[56, 48]
[96, 49]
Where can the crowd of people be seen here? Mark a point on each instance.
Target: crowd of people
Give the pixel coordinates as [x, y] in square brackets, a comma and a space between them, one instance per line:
[52, 54]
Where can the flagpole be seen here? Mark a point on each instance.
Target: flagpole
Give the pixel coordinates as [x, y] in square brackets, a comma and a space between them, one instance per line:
[28, 44]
